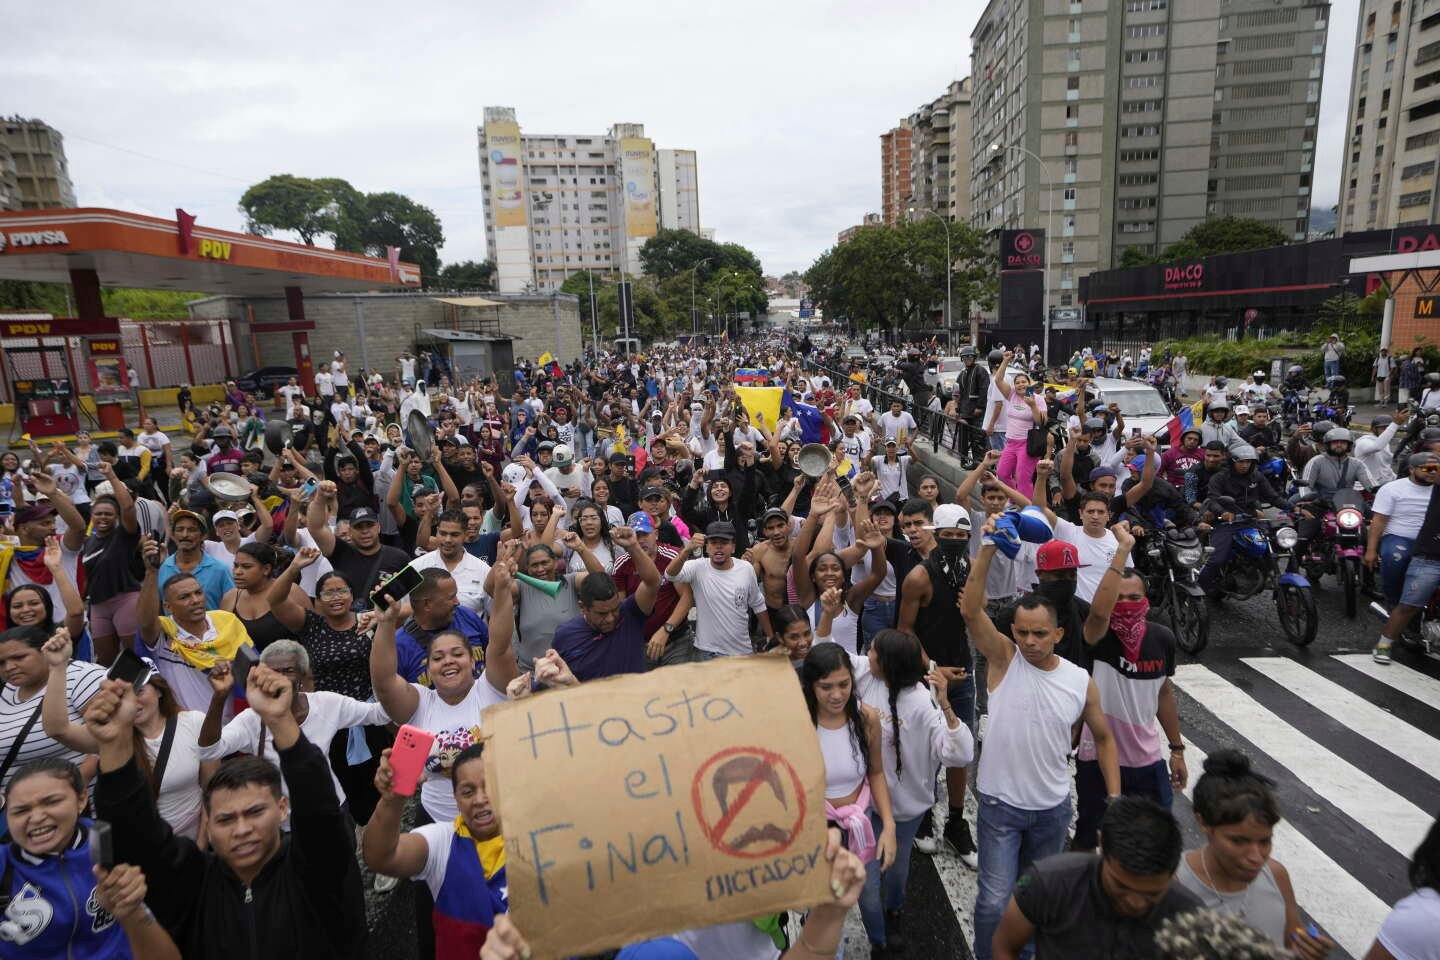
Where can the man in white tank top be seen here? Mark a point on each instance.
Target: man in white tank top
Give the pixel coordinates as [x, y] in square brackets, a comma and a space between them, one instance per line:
[1035, 697]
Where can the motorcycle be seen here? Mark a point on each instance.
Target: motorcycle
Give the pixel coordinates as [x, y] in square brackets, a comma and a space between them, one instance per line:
[1257, 563]
[1322, 410]
[1410, 437]
[1340, 547]
[1171, 570]
[1295, 406]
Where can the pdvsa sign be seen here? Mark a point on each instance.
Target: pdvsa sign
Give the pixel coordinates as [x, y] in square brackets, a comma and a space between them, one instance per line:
[19, 239]
[215, 250]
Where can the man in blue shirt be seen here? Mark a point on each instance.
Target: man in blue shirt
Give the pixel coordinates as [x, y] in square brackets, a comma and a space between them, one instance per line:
[435, 609]
[608, 637]
[187, 529]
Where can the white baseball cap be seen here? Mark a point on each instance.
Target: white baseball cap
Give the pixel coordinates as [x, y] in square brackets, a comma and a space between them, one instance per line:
[950, 516]
[225, 515]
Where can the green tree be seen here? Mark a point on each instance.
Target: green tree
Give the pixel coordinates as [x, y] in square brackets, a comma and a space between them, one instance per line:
[286, 202]
[468, 275]
[654, 318]
[1224, 235]
[579, 284]
[1134, 257]
[672, 252]
[394, 220]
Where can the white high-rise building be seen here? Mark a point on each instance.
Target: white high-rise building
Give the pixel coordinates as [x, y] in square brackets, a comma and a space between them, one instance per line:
[559, 204]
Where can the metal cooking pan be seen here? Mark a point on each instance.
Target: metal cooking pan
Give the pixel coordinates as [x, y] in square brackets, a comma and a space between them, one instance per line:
[421, 436]
[277, 436]
[814, 460]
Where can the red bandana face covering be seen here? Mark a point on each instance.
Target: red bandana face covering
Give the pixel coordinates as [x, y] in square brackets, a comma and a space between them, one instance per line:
[1128, 622]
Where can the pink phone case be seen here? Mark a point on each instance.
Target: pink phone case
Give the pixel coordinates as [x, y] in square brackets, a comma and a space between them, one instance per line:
[407, 759]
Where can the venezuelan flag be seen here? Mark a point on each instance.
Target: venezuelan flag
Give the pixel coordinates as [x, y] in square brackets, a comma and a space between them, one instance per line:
[1187, 418]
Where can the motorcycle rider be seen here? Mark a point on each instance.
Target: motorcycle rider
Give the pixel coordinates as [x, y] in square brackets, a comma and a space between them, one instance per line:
[1178, 459]
[1196, 488]
[1422, 577]
[1262, 432]
[1257, 391]
[1430, 396]
[1217, 426]
[1395, 522]
[1323, 475]
[1373, 448]
[1339, 399]
[1241, 488]
[1305, 443]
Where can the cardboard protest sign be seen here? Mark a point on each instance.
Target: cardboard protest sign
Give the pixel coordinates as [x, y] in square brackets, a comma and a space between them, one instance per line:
[641, 805]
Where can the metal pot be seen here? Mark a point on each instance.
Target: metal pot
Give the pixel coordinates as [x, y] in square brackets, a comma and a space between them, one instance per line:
[421, 436]
[814, 460]
[229, 487]
[277, 436]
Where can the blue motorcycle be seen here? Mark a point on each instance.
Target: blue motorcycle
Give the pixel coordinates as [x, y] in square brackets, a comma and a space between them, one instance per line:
[1259, 561]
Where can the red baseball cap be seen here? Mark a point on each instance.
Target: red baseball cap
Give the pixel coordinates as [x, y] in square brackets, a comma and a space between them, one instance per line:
[1058, 555]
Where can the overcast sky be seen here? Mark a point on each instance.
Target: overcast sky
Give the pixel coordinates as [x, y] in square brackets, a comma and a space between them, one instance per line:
[783, 99]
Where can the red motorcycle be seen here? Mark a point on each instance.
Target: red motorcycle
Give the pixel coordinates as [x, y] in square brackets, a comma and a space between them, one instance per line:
[1340, 547]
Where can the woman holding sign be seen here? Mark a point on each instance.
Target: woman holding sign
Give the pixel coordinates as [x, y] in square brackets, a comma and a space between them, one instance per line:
[857, 796]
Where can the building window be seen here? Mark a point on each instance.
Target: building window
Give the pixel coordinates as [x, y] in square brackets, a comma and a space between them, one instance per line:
[1144, 6]
[1418, 170]
[1133, 156]
[1072, 111]
[1146, 80]
[1136, 203]
[1137, 226]
[1069, 193]
[1071, 165]
[1139, 106]
[1141, 130]
[1138, 179]
[1145, 56]
[1419, 141]
[1067, 247]
[1418, 199]
[1072, 83]
[1425, 110]
[1145, 30]
[1072, 139]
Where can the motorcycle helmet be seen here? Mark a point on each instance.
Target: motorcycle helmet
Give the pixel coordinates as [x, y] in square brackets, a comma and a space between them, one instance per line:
[1337, 381]
[1339, 435]
[1432, 380]
[968, 351]
[1244, 451]
[1295, 372]
[1321, 427]
[996, 357]
[1189, 430]
[1221, 381]
[1093, 424]
[1430, 434]
[1259, 376]
[1219, 403]
[1380, 423]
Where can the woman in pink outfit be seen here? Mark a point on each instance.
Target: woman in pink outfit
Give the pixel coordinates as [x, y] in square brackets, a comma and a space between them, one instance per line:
[1017, 467]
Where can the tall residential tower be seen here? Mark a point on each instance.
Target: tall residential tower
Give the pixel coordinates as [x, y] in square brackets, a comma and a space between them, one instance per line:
[33, 171]
[1142, 118]
[1392, 143]
[558, 204]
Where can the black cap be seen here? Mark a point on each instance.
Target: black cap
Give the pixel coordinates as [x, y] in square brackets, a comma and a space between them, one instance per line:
[654, 490]
[720, 530]
[363, 515]
[774, 513]
[619, 458]
[885, 503]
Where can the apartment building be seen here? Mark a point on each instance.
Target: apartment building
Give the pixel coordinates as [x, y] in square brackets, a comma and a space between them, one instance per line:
[939, 137]
[36, 166]
[870, 220]
[1125, 123]
[557, 204]
[895, 158]
[1389, 177]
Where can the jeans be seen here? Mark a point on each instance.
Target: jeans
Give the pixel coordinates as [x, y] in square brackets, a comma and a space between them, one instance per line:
[885, 892]
[1010, 839]
[877, 615]
[1222, 539]
[1151, 782]
[1394, 561]
[1332, 369]
[1421, 582]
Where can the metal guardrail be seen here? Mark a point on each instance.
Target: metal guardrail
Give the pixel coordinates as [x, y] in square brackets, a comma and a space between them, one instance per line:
[955, 436]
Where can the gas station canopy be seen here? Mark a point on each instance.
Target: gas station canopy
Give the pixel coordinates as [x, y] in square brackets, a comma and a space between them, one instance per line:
[134, 250]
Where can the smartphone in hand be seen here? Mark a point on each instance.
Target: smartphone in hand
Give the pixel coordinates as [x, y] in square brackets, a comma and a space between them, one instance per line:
[407, 758]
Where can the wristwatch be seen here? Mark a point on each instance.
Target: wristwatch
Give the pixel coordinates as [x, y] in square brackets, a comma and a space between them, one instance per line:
[668, 627]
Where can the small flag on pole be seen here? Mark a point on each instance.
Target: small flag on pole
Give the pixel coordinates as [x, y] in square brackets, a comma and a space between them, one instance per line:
[1184, 420]
[550, 365]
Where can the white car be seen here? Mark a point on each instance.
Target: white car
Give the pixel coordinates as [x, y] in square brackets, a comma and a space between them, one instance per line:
[941, 373]
[1140, 404]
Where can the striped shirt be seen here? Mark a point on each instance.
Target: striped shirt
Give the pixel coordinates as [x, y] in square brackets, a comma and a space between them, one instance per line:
[82, 680]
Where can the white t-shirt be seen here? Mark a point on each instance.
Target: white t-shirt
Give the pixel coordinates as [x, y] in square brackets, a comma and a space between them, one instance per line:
[324, 384]
[893, 477]
[1404, 502]
[857, 448]
[70, 481]
[329, 713]
[287, 392]
[722, 599]
[407, 368]
[899, 427]
[993, 421]
[155, 442]
[455, 727]
[1097, 552]
[1409, 932]
[469, 574]
[218, 550]
[338, 374]
[862, 407]
[180, 791]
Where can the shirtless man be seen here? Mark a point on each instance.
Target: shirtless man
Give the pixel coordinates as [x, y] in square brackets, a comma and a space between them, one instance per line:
[773, 556]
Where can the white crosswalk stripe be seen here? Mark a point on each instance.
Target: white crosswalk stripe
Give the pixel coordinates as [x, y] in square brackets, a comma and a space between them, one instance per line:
[1326, 856]
[1383, 812]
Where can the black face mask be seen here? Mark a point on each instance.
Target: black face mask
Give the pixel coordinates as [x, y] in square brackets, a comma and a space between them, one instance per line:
[954, 549]
[1058, 592]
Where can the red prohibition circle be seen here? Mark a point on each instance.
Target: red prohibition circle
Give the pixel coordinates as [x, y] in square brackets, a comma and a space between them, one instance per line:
[771, 762]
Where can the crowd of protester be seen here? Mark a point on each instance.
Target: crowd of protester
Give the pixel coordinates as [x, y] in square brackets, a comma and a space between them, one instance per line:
[614, 517]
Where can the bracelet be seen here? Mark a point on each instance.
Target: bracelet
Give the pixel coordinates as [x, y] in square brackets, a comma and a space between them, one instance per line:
[1177, 748]
[1120, 572]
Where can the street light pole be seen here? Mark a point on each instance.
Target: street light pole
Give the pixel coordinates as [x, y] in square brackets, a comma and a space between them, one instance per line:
[1049, 234]
[594, 323]
[949, 271]
[695, 317]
